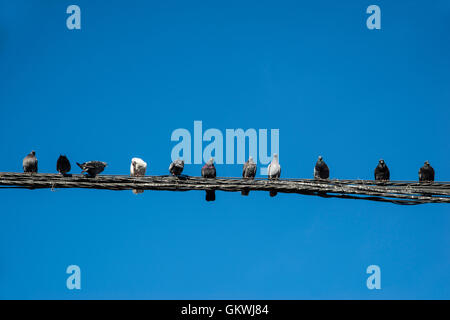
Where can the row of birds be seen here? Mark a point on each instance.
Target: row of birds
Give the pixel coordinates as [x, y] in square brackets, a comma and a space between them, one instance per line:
[138, 168]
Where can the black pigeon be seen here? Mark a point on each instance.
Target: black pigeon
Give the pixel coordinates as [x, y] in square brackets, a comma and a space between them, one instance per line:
[176, 167]
[426, 173]
[63, 165]
[30, 163]
[248, 172]
[92, 168]
[209, 171]
[321, 170]
[382, 171]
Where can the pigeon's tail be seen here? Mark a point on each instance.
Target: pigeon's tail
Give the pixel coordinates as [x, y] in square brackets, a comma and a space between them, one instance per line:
[245, 192]
[273, 193]
[81, 167]
[138, 191]
[210, 195]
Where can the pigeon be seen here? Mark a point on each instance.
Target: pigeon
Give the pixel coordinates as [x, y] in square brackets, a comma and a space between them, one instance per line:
[382, 171]
[426, 173]
[248, 172]
[137, 169]
[30, 163]
[92, 168]
[321, 170]
[63, 165]
[209, 171]
[176, 167]
[274, 172]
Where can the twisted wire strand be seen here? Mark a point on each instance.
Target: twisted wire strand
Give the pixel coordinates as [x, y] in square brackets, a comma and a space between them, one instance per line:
[397, 192]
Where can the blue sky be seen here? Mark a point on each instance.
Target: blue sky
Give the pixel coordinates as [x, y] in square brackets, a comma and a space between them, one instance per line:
[138, 70]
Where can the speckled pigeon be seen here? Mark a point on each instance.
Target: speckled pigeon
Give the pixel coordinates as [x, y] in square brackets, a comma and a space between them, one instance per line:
[248, 172]
[138, 168]
[176, 167]
[92, 168]
[30, 163]
[209, 171]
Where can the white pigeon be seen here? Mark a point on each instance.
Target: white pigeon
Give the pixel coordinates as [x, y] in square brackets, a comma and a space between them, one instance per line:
[274, 171]
[137, 169]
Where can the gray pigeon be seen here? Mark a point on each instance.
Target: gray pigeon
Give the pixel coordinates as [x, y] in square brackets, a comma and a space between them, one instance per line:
[176, 167]
[92, 168]
[382, 171]
[274, 172]
[248, 172]
[30, 163]
[63, 165]
[209, 171]
[321, 170]
[426, 173]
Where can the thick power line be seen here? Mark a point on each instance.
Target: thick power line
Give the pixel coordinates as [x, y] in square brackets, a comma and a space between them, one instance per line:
[399, 192]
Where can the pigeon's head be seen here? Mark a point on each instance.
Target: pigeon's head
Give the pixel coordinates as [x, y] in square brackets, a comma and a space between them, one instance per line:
[320, 158]
[381, 161]
[33, 152]
[427, 163]
[275, 159]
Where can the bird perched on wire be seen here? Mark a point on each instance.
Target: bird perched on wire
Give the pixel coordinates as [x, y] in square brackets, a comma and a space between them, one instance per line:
[176, 167]
[63, 165]
[92, 168]
[426, 173]
[138, 168]
[274, 172]
[321, 170]
[209, 171]
[248, 172]
[382, 171]
[30, 163]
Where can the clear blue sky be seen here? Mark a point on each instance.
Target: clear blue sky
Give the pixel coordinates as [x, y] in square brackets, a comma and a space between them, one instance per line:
[138, 70]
